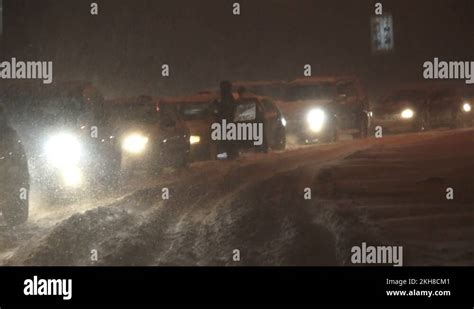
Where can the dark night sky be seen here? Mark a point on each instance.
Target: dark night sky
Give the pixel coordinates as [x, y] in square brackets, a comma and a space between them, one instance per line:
[122, 49]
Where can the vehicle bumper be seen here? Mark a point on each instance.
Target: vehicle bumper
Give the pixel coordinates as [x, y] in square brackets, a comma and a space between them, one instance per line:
[301, 131]
[200, 151]
[397, 125]
[159, 156]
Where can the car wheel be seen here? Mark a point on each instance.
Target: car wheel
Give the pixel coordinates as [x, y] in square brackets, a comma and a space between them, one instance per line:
[459, 122]
[332, 135]
[421, 125]
[424, 123]
[212, 151]
[265, 148]
[182, 161]
[16, 211]
[280, 140]
[363, 127]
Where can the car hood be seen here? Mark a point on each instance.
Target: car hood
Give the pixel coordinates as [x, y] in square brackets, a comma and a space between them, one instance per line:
[396, 106]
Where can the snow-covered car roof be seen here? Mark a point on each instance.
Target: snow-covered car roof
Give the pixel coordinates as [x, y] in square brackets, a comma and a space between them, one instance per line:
[250, 83]
[201, 97]
[131, 100]
[425, 86]
[205, 97]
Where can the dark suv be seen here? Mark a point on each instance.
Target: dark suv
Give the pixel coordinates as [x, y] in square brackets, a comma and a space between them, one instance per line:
[69, 146]
[418, 107]
[319, 108]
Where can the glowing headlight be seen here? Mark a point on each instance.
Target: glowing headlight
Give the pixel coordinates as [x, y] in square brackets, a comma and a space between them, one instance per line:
[194, 139]
[135, 143]
[316, 118]
[63, 150]
[466, 107]
[407, 113]
[283, 121]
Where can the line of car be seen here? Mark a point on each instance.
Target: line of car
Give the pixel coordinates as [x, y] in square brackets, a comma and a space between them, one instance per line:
[308, 110]
[76, 141]
[419, 107]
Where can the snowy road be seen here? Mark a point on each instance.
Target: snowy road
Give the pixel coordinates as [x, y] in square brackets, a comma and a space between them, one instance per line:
[388, 191]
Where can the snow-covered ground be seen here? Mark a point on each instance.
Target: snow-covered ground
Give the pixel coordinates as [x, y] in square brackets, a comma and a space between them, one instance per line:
[389, 191]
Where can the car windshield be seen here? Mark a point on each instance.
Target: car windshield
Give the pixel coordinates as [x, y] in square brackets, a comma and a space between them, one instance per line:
[311, 92]
[265, 90]
[195, 110]
[146, 113]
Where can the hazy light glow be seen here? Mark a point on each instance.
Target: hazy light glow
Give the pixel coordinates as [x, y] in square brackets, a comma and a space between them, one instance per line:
[194, 139]
[407, 114]
[316, 119]
[466, 107]
[72, 177]
[63, 150]
[135, 143]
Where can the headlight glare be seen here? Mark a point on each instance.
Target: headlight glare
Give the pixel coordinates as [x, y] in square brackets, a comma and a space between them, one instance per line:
[63, 150]
[194, 139]
[135, 143]
[466, 107]
[316, 119]
[407, 113]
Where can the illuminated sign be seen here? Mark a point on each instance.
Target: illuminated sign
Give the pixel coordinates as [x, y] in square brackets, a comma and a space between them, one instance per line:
[382, 33]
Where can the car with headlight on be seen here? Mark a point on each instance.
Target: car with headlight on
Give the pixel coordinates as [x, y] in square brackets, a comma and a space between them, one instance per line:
[70, 147]
[196, 112]
[419, 107]
[467, 100]
[151, 134]
[199, 112]
[318, 109]
[403, 109]
[15, 179]
[446, 107]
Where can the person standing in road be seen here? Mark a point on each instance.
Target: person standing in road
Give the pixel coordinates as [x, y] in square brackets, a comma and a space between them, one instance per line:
[225, 110]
